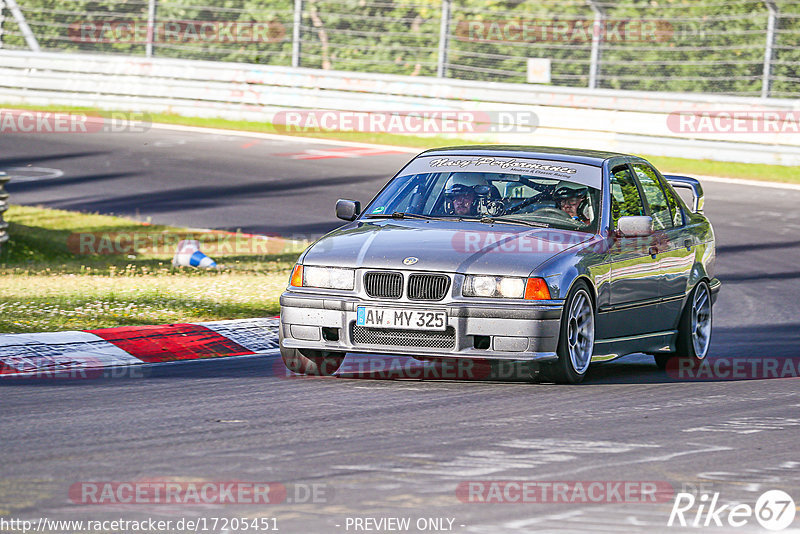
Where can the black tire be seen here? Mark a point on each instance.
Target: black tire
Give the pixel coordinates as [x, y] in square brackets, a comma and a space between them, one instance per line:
[663, 359]
[694, 328]
[575, 339]
[311, 362]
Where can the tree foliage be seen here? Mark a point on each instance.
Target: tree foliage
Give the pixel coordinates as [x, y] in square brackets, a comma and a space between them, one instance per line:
[652, 45]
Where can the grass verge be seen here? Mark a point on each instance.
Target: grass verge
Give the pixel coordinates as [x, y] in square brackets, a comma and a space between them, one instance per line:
[71, 271]
[669, 165]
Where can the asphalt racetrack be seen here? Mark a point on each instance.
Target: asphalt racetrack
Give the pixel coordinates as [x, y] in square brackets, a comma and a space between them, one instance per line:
[377, 448]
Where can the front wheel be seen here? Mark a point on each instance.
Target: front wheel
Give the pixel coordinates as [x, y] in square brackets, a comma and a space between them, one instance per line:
[694, 329]
[575, 340]
[311, 362]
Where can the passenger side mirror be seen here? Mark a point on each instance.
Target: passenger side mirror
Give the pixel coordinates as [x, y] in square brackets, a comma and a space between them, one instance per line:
[635, 226]
[348, 210]
[684, 182]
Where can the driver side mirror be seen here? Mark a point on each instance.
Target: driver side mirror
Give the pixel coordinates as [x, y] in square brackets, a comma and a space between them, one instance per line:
[635, 226]
[348, 210]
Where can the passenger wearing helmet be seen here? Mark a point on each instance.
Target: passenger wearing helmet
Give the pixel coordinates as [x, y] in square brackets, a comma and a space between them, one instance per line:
[569, 199]
[461, 193]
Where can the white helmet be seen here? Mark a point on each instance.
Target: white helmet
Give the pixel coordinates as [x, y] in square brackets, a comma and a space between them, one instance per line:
[464, 183]
[466, 180]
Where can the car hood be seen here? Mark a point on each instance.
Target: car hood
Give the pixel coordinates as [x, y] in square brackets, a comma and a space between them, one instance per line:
[443, 246]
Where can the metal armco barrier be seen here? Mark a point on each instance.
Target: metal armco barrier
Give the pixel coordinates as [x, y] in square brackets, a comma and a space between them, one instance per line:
[3, 207]
[624, 121]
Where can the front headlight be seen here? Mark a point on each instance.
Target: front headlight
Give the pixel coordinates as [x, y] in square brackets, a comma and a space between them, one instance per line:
[494, 286]
[508, 287]
[327, 277]
[481, 286]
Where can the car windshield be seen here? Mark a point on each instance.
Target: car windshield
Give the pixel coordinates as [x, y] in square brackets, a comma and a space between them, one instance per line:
[550, 201]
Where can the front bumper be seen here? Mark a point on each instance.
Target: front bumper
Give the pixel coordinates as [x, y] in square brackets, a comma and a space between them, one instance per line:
[714, 285]
[508, 331]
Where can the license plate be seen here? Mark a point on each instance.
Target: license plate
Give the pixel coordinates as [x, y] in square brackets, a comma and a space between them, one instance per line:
[400, 318]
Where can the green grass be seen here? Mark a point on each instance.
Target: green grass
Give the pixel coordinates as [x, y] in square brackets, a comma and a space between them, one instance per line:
[725, 169]
[51, 283]
[750, 171]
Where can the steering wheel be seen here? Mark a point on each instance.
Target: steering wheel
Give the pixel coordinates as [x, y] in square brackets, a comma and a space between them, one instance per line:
[494, 208]
[527, 202]
[578, 223]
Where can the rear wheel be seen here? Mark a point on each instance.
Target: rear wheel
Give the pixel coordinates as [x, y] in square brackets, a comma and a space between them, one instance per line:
[694, 329]
[311, 362]
[576, 339]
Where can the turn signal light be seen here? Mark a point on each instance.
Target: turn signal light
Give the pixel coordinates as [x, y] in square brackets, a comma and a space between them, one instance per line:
[536, 289]
[297, 276]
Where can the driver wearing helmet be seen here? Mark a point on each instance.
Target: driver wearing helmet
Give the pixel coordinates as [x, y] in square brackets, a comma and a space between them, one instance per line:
[461, 193]
[569, 199]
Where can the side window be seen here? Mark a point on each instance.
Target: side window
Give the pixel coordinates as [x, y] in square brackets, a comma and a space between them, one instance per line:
[656, 199]
[625, 198]
[674, 205]
[410, 202]
[433, 193]
[403, 197]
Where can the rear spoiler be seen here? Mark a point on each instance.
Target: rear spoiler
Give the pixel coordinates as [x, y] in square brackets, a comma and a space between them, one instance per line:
[684, 182]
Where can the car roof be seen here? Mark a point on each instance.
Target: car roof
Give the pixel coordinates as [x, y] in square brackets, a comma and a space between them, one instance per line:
[570, 155]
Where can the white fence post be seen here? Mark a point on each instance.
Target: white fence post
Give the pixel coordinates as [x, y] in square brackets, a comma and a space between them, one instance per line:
[444, 38]
[151, 27]
[597, 37]
[296, 29]
[30, 39]
[773, 15]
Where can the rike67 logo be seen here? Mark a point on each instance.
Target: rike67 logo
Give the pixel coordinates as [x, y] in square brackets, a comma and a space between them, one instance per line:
[774, 510]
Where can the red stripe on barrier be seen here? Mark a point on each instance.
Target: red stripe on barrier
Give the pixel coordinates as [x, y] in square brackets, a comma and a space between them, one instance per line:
[171, 342]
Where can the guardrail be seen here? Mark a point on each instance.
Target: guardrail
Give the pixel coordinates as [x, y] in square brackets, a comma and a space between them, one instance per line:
[625, 121]
[3, 207]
